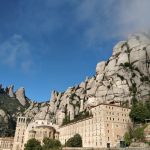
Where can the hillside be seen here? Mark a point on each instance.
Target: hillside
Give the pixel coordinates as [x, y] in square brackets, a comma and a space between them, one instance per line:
[10, 108]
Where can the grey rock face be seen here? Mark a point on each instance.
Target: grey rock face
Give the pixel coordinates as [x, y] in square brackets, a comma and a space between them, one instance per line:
[20, 95]
[3, 116]
[124, 76]
[11, 91]
[100, 67]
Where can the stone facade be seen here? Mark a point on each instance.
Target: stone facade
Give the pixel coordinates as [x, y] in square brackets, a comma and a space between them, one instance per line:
[6, 143]
[38, 129]
[105, 128]
[20, 133]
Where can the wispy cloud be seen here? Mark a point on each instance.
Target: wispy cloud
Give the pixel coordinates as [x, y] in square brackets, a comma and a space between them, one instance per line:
[134, 16]
[89, 21]
[15, 52]
[105, 20]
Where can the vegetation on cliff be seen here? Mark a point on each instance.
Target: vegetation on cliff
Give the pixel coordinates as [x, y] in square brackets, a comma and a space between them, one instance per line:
[140, 111]
[10, 107]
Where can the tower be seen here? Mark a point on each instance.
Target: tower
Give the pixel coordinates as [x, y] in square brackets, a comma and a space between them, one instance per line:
[20, 133]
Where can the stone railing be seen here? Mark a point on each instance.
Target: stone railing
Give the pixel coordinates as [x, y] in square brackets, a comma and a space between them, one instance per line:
[127, 148]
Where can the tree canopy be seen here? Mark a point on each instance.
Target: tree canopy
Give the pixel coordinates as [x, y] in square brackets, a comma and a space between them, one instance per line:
[127, 138]
[50, 144]
[33, 144]
[140, 111]
[75, 141]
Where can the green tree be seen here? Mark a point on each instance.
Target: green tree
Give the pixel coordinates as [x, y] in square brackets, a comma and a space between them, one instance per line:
[50, 144]
[127, 138]
[139, 112]
[33, 144]
[57, 144]
[75, 141]
[139, 134]
[69, 143]
[66, 120]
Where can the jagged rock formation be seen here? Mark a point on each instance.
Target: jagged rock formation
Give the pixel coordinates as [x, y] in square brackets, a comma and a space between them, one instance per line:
[11, 91]
[20, 95]
[120, 80]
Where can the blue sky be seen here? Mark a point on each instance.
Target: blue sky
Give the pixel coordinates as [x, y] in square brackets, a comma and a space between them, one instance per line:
[50, 45]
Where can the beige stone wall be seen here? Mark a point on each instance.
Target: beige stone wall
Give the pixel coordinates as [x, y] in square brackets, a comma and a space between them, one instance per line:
[108, 125]
[37, 129]
[115, 123]
[20, 134]
[6, 143]
[84, 128]
[42, 132]
[147, 132]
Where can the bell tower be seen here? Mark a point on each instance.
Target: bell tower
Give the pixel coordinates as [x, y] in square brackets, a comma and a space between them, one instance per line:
[20, 133]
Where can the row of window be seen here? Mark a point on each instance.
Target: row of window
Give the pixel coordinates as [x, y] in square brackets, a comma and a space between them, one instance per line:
[6, 145]
[113, 119]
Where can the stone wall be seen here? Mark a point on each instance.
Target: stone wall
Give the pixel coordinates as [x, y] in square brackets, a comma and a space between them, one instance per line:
[132, 148]
[107, 126]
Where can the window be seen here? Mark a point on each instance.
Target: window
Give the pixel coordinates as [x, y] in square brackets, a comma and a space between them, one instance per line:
[108, 138]
[108, 131]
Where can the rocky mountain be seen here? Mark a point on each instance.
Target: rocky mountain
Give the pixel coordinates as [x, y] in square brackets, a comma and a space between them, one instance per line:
[12, 104]
[121, 80]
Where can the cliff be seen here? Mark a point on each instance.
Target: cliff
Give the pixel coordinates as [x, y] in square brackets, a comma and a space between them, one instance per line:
[121, 80]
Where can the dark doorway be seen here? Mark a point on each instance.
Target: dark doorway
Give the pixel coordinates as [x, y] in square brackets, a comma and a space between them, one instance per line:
[108, 145]
[122, 144]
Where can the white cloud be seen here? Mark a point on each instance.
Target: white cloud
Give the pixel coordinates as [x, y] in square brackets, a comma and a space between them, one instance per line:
[105, 20]
[15, 52]
[134, 16]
